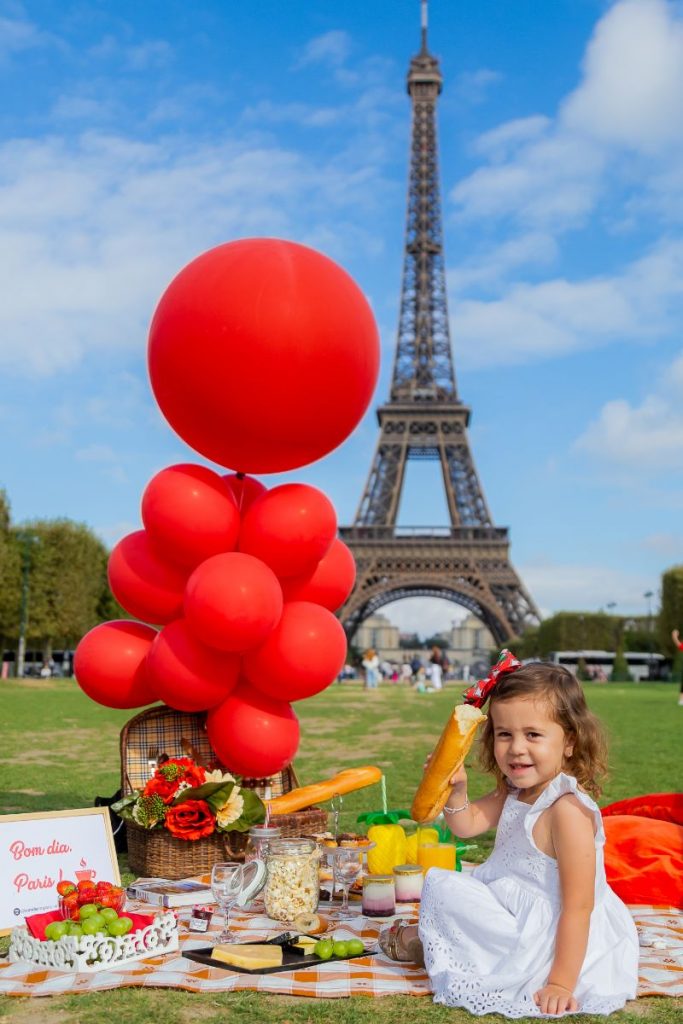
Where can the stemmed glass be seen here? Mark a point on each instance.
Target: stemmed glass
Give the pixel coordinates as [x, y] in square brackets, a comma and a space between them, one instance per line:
[346, 866]
[227, 879]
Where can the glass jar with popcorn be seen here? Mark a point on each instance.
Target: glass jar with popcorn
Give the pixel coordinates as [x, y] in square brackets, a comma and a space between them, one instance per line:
[292, 878]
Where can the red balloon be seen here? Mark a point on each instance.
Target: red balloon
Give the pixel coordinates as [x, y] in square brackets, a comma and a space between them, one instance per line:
[147, 586]
[185, 674]
[253, 735]
[289, 528]
[233, 601]
[263, 355]
[190, 514]
[302, 655]
[109, 664]
[329, 584]
[245, 490]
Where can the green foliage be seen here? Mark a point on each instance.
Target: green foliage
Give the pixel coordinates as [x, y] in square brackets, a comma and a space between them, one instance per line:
[66, 579]
[671, 612]
[582, 670]
[578, 631]
[620, 671]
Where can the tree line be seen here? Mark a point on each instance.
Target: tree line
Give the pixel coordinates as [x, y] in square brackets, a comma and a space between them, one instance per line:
[53, 578]
[581, 631]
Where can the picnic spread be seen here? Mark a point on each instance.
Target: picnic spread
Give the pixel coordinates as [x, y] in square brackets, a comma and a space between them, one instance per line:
[660, 971]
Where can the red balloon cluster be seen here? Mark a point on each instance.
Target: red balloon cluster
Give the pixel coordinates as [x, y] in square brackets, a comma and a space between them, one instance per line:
[245, 598]
[263, 356]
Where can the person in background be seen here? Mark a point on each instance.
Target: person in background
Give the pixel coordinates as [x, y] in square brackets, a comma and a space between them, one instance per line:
[677, 640]
[436, 668]
[370, 665]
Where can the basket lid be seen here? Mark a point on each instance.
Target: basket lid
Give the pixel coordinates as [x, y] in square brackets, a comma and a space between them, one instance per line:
[254, 878]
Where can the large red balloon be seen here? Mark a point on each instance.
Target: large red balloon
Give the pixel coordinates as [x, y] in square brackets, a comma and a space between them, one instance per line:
[290, 528]
[263, 355]
[302, 655]
[185, 674]
[253, 735]
[190, 514]
[245, 490]
[109, 664]
[233, 601]
[148, 587]
[329, 584]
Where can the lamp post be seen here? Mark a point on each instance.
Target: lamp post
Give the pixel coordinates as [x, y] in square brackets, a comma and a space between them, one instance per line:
[648, 595]
[27, 540]
[610, 606]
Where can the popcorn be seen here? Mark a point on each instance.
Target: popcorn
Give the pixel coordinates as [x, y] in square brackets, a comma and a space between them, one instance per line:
[292, 886]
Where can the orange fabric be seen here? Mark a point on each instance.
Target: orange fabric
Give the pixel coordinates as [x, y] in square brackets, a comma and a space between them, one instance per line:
[644, 849]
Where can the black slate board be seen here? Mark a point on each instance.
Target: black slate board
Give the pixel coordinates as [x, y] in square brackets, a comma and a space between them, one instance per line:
[291, 959]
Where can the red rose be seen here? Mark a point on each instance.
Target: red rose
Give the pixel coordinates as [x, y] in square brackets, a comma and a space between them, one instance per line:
[164, 788]
[191, 819]
[167, 778]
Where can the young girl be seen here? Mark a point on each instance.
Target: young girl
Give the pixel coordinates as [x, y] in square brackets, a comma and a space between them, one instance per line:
[535, 930]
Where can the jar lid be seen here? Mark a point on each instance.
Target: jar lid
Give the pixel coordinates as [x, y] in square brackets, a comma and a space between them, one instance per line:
[379, 879]
[407, 869]
[291, 847]
[253, 880]
[265, 831]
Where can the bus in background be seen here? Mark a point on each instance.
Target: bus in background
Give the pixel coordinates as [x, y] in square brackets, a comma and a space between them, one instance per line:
[642, 665]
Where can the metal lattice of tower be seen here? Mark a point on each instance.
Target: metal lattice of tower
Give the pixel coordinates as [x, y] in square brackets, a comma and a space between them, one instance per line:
[424, 419]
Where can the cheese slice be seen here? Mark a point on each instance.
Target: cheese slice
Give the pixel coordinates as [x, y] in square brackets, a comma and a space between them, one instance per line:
[251, 957]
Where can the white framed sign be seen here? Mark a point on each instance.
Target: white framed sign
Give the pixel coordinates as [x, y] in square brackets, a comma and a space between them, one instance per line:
[39, 850]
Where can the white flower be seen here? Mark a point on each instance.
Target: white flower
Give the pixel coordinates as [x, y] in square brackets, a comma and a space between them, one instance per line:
[231, 809]
[218, 776]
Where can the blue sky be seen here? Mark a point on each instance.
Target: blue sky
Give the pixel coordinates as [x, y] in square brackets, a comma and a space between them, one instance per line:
[134, 136]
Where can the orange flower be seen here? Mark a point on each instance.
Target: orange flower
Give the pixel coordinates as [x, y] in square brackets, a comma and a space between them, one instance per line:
[191, 819]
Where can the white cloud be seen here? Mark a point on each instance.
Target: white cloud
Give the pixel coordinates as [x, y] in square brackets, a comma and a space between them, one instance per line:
[331, 48]
[647, 437]
[629, 102]
[423, 615]
[669, 545]
[632, 89]
[18, 35]
[493, 265]
[556, 587]
[472, 86]
[92, 231]
[536, 321]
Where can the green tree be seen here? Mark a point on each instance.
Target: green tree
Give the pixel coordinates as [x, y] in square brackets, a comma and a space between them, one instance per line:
[620, 671]
[10, 576]
[671, 616]
[67, 583]
[579, 631]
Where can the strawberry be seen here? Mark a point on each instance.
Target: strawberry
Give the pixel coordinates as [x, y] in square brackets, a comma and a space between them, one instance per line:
[85, 883]
[64, 887]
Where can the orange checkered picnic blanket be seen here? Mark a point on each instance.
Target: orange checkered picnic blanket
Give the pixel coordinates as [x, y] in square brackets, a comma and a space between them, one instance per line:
[661, 967]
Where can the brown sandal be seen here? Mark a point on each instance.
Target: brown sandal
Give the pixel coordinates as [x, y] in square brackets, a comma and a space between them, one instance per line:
[393, 945]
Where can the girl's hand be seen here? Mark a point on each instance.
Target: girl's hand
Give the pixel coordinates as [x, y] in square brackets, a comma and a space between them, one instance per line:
[554, 999]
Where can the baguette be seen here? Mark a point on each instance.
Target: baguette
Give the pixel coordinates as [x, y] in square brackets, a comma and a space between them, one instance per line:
[451, 750]
[342, 782]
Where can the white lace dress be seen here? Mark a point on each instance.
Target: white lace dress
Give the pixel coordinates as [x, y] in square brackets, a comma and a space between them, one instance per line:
[489, 937]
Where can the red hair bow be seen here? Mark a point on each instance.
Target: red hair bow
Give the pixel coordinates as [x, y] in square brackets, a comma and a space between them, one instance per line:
[480, 692]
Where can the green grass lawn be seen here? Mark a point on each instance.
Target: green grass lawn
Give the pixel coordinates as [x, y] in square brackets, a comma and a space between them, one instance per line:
[60, 750]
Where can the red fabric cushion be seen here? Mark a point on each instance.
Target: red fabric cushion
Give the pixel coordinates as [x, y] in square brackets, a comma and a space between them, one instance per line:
[644, 849]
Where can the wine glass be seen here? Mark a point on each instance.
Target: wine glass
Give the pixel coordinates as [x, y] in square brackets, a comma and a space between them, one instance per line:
[346, 866]
[227, 879]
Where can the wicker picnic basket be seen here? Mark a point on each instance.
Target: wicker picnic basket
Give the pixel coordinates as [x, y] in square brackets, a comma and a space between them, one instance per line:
[155, 853]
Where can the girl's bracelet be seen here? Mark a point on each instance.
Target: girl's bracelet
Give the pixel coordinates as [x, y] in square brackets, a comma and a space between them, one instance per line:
[457, 810]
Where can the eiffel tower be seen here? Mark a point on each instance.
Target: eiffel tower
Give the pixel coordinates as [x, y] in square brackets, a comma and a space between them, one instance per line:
[468, 562]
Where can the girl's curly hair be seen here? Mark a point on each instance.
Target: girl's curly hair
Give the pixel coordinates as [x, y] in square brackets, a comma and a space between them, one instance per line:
[562, 691]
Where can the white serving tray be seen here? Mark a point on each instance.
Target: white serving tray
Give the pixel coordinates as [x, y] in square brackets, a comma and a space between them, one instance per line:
[93, 953]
